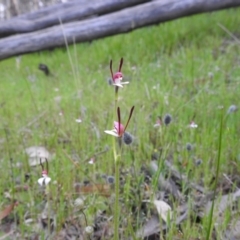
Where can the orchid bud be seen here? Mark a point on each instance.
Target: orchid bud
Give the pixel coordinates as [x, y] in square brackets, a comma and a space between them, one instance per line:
[189, 147]
[110, 179]
[167, 119]
[127, 138]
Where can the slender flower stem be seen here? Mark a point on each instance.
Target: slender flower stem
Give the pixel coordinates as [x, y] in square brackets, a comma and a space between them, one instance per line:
[116, 161]
[116, 203]
[115, 109]
[117, 152]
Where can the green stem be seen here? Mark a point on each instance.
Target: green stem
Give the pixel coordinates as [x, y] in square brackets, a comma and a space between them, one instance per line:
[116, 161]
[210, 224]
[115, 109]
[116, 203]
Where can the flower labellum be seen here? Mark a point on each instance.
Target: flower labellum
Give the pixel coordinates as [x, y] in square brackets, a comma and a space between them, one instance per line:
[44, 180]
[119, 128]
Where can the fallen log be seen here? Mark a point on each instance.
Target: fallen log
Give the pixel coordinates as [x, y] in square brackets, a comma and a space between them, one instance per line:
[62, 13]
[118, 22]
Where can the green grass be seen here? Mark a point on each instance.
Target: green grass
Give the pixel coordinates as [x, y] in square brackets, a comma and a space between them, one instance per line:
[186, 68]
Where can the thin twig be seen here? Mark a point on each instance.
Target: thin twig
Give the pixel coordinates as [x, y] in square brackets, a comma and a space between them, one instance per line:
[230, 181]
[33, 121]
[6, 235]
[228, 32]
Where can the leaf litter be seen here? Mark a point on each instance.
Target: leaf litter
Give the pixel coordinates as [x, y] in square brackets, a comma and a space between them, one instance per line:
[154, 213]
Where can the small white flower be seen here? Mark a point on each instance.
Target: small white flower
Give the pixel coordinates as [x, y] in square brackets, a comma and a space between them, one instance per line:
[79, 203]
[91, 161]
[78, 120]
[89, 230]
[44, 180]
[193, 125]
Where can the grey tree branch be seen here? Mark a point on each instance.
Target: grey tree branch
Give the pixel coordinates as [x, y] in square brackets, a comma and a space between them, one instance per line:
[121, 21]
[63, 12]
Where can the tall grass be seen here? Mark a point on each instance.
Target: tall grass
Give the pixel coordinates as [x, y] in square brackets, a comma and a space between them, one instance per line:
[188, 68]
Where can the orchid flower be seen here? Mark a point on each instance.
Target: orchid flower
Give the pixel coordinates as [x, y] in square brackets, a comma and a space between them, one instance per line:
[118, 76]
[119, 128]
[45, 179]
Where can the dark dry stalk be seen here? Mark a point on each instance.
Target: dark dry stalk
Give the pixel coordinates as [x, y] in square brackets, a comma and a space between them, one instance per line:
[129, 118]
[120, 65]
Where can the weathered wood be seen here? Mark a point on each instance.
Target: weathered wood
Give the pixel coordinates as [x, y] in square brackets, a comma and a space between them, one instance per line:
[64, 12]
[118, 22]
[42, 12]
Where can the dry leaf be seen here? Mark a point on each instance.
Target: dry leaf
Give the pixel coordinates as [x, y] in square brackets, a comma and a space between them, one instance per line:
[102, 189]
[164, 210]
[8, 209]
[233, 233]
[166, 184]
[222, 203]
[35, 153]
[152, 226]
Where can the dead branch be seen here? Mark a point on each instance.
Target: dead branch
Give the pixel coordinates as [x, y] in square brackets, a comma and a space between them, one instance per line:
[122, 21]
